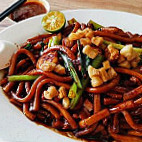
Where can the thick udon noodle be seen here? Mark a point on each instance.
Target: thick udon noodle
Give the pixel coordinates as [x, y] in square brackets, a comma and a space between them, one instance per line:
[116, 112]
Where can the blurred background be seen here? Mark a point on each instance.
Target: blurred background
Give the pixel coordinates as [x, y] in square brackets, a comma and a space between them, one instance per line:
[132, 6]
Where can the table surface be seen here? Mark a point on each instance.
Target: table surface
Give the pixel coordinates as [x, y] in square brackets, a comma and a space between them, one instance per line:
[132, 6]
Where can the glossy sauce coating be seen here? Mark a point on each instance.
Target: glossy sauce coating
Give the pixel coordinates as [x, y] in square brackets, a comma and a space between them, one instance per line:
[27, 10]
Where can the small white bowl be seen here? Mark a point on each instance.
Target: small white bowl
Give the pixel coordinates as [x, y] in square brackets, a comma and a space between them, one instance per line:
[44, 2]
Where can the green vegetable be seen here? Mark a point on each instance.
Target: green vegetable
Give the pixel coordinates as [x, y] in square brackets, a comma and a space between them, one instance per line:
[42, 46]
[28, 46]
[120, 46]
[115, 45]
[96, 25]
[71, 69]
[50, 42]
[80, 56]
[79, 93]
[87, 61]
[55, 40]
[84, 59]
[96, 63]
[72, 21]
[72, 90]
[22, 77]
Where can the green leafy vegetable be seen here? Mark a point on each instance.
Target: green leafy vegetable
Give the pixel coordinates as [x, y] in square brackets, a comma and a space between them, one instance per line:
[115, 45]
[72, 21]
[79, 93]
[50, 42]
[96, 25]
[22, 77]
[96, 63]
[87, 61]
[84, 59]
[72, 90]
[55, 40]
[42, 46]
[80, 56]
[120, 46]
[71, 69]
[28, 46]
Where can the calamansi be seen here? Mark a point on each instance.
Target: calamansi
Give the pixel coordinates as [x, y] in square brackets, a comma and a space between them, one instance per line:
[53, 21]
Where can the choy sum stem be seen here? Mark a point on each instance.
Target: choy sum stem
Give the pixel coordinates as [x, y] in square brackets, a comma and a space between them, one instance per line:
[120, 46]
[96, 63]
[22, 77]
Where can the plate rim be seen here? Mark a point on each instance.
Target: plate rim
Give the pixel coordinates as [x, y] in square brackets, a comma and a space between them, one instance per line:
[68, 11]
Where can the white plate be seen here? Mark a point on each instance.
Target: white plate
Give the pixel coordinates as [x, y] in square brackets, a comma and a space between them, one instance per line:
[14, 126]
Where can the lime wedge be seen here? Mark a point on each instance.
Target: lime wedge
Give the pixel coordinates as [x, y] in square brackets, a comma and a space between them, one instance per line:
[53, 21]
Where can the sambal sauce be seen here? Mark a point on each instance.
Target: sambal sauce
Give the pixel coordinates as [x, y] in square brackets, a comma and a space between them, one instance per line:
[27, 10]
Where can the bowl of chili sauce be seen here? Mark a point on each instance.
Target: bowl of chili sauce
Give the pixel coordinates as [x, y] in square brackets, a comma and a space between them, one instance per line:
[29, 9]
